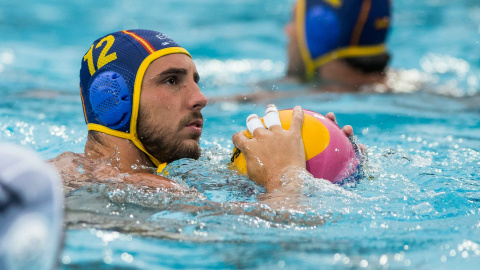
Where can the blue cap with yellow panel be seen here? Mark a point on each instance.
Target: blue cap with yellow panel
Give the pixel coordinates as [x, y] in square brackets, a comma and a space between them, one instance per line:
[333, 29]
[111, 80]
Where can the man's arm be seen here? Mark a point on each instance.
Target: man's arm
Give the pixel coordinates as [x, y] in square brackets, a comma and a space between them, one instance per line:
[77, 170]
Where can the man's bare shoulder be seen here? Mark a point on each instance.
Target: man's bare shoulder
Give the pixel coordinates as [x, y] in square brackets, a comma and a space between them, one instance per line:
[71, 167]
[65, 158]
[77, 170]
[68, 163]
[151, 180]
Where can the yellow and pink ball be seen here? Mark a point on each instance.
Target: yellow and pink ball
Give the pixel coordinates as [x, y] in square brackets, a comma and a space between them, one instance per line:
[329, 153]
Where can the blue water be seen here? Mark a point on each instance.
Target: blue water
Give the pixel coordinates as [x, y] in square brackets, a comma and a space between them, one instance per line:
[418, 207]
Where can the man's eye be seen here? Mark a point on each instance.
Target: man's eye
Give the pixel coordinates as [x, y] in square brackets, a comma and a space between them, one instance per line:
[171, 80]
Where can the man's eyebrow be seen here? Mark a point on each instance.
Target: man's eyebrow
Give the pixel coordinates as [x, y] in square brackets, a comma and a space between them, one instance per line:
[170, 71]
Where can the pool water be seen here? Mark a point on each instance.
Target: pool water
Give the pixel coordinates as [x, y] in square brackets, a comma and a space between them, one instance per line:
[417, 208]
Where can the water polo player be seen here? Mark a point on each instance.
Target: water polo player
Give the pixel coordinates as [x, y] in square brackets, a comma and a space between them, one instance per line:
[338, 45]
[339, 41]
[142, 107]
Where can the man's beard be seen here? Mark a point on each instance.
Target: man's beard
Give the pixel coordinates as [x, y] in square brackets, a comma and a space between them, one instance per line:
[163, 144]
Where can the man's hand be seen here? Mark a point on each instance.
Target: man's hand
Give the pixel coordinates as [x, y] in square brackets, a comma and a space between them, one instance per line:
[273, 152]
[347, 129]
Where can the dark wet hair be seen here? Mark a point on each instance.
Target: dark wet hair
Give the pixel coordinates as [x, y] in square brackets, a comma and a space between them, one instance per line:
[369, 64]
[94, 136]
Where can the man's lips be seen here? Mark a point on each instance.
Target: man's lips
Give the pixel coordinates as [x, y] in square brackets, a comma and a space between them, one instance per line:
[195, 125]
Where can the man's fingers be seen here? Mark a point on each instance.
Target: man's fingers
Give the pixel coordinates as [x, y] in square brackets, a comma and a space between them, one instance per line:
[272, 118]
[332, 117]
[297, 119]
[254, 123]
[348, 130]
[239, 139]
[362, 148]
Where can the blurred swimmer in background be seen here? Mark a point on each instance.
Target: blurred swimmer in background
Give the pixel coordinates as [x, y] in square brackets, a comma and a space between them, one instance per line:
[339, 43]
[335, 46]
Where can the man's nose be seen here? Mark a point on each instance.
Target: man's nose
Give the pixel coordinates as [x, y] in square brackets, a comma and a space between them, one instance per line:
[197, 100]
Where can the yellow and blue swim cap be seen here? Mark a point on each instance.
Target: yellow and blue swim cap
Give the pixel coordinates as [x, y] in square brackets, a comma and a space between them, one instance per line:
[111, 80]
[333, 29]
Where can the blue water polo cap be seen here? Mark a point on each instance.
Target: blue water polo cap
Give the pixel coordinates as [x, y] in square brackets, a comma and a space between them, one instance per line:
[111, 80]
[333, 29]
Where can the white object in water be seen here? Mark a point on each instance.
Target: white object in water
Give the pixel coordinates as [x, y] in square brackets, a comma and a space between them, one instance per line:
[31, 210]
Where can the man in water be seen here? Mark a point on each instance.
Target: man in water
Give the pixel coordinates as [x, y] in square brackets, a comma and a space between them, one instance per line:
[142, 106]
[339, 43]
